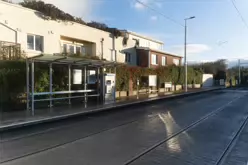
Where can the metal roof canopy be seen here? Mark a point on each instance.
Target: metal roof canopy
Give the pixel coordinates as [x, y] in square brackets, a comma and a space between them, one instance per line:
[69, 60]
[66, 60]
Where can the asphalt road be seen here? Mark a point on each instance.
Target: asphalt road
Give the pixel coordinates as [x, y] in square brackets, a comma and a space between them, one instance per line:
[203, 129]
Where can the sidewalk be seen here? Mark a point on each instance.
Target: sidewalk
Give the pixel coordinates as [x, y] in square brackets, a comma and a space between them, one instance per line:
[10, 120]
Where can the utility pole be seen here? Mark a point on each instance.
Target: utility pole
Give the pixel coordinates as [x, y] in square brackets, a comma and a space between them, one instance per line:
[185, 54]
[239, 73]
[185, 58]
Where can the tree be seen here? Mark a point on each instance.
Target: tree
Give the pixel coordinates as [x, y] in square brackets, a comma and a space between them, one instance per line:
[233, 74]
[104, 27]
[97, 25]
[217, 68]
[7, 1]
[52, 12]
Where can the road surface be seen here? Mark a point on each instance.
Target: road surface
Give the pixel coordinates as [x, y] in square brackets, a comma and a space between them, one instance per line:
[206, 129]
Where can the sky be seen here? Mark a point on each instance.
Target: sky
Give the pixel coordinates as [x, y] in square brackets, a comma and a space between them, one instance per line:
[217, 32]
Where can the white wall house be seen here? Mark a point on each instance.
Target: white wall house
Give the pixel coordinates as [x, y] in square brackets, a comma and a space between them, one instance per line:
[38, 35]
[134, 39]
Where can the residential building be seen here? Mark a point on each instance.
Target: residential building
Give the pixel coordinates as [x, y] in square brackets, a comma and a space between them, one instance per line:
[132, 40]
[143, 51]
[39, 35]
[147, 57]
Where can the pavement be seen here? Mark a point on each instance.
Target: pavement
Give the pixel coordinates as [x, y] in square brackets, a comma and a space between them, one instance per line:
[16, 119]
[206, 129]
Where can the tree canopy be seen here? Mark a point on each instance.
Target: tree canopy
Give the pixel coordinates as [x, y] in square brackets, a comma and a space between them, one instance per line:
[50, 10]
[233, 74]
[217, 68]
[54, 13]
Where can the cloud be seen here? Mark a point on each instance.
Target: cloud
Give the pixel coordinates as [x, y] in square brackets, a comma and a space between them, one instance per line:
[191, 48]
[198, 61]
[154, 18]
[138, 6]
[79, 8]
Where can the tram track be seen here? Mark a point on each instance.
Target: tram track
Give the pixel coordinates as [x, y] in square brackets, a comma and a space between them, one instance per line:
[232, 142]
[189, 127]
[68, 124]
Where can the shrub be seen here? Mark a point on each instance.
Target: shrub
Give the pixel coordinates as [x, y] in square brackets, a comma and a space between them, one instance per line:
[13, 78]
[12, 81]
[122, 78]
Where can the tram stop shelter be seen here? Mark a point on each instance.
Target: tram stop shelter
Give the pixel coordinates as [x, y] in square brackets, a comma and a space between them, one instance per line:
[69, 62]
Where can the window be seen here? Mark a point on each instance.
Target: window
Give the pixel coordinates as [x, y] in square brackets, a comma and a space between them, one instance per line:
[35, 42]
[30, 42]
[113, 52]
[74, 49]
[160, 47]
[163, 60]
[64, 48]
[154, 59]
[127, 57]
[71, 49]
[78, 50]
[38, 43]
[83, 50]
[176, 61]
[138, 61]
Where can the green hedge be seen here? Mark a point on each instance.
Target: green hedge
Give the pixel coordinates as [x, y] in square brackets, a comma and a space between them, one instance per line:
[122, 78]
[174, 74]
[13, 78]
[13, 81]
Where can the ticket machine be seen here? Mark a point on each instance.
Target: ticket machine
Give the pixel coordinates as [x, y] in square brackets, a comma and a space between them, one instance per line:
[108, 87]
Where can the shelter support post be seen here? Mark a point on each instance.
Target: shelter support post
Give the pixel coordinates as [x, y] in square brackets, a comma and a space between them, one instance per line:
[69, 82]
[27, 82]
[102, 87]
[98, 84]
[115, 84]
[32, 87]
[85, 84]
[51, 84]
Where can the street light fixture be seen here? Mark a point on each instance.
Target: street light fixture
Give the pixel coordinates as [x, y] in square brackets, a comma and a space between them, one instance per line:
[190, 18]
[185, 54]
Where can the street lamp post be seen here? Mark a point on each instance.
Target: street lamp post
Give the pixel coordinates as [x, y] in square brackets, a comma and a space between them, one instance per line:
[239, 73]
[185, 54]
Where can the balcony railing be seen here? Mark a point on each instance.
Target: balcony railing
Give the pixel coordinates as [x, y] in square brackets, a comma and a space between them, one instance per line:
[10, 51]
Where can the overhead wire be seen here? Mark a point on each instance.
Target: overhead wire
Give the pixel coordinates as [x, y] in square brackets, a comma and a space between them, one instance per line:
[153, 9]
[169, 18]
[239, 13]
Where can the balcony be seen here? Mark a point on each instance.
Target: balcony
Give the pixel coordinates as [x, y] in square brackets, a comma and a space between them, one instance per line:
[10, 51]
[77, 48]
